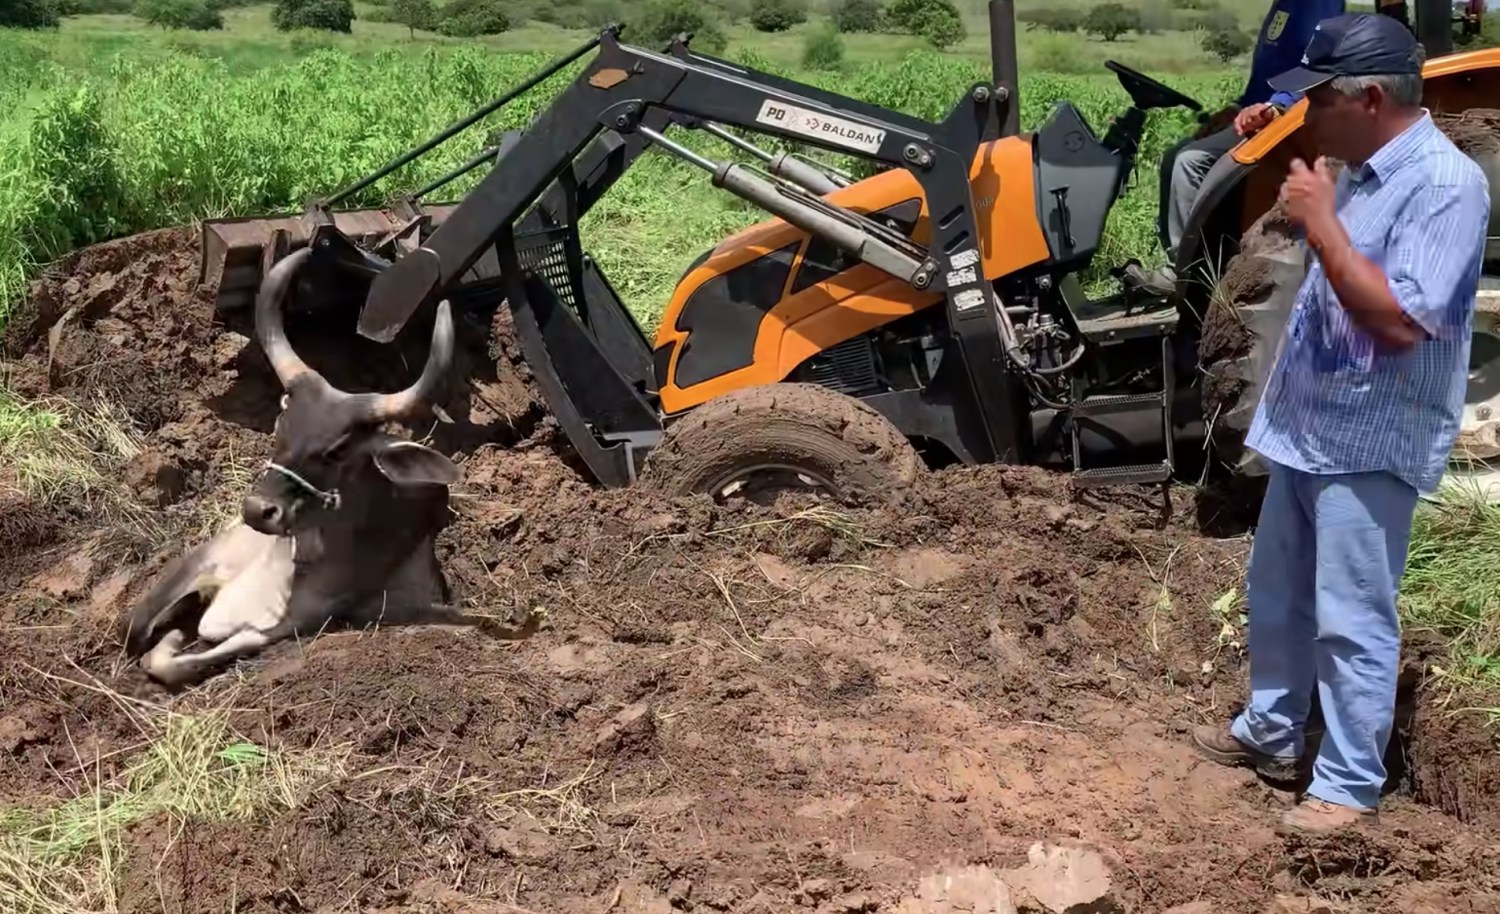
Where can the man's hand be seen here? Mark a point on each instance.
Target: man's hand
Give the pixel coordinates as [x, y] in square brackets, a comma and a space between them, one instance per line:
[1217, 121]
[1253, 119]
[1309, 197]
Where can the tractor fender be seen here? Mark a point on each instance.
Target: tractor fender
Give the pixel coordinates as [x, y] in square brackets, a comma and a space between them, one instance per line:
[1221, 181]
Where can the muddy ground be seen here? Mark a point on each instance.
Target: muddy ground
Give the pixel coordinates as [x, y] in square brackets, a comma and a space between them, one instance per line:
[731, 709]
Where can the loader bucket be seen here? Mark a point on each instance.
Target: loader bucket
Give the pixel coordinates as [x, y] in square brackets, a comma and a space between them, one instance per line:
[234, 253]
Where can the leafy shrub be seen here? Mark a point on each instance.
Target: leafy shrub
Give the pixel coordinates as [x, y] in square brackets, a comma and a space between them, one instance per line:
[662, 19]
[93, 7]
[414, 14]
[327, 15]
[180, 14]
[1195, 4]
[473, 18]
[936, 20]
[776, 15]
[30, 14]
[1064, 20]
[1155, 17]
[858, 15]
[1111, 20]
[1227, 44]
[823, 49]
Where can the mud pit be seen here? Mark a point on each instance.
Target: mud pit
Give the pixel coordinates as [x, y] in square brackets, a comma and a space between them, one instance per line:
[988, 687]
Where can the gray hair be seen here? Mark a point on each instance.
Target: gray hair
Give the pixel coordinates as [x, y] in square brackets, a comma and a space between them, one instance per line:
[1404, 90]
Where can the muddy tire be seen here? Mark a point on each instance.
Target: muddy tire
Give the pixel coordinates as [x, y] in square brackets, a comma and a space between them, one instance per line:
[1241, 334]
[783, 436]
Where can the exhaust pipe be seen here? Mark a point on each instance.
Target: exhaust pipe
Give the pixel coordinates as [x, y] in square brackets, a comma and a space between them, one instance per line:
[1005, 71]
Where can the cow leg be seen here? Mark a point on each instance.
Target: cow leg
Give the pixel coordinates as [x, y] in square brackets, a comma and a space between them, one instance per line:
[178, 669]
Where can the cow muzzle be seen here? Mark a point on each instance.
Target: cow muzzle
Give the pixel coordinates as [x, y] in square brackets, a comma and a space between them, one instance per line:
[266, 515]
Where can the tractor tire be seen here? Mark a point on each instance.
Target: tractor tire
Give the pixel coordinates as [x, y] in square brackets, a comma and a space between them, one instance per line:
[1242, 331]
[783, 437]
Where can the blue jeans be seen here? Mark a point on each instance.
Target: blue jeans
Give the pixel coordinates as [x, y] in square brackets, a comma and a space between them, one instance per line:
[1328, 554]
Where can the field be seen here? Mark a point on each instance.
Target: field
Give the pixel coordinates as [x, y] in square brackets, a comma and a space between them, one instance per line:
[984, 690]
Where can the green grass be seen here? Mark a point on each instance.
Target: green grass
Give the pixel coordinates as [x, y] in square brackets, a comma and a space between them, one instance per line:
[118, 128]
[66, 858]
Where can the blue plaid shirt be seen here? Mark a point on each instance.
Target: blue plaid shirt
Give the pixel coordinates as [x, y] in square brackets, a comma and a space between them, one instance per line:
[1419, 208]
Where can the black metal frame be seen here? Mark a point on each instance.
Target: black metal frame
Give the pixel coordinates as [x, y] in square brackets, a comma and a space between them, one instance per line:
[584, 141]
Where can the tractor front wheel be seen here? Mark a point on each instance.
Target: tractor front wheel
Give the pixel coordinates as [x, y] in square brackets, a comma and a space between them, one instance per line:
[1241, 331]
[758, 442]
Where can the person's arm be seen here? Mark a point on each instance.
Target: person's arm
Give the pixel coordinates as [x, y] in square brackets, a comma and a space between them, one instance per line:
[1430, 254]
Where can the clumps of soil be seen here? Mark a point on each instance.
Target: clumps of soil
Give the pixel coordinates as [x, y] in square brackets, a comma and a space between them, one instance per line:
[732, 708]
[1476, 132]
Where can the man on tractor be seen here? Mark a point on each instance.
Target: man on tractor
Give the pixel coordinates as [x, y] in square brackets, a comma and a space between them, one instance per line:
[1283, 34]
[1359, 413]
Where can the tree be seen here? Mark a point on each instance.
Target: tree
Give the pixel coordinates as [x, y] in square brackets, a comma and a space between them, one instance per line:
[858, 15]
[30, 14]
[1062, 19]
[180, 14]
[776, 15]
[473, 18]
[823, 49]
[936, 20]
[663, 19]
[414, 14]
[328, 15]
[1111, 20]
[1227, 44]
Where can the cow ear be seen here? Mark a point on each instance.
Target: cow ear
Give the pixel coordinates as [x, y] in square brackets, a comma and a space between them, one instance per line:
[409, 463]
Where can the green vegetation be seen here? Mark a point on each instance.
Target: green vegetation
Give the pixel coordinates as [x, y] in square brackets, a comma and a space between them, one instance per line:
[65, 858]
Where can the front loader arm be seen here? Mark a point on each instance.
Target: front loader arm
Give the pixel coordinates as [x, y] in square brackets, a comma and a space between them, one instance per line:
[624, 83]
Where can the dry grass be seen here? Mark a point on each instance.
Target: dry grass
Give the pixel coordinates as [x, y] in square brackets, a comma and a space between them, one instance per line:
[66, 858]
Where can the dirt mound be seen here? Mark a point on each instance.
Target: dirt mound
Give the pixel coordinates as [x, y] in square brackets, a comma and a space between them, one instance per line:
[731, 708]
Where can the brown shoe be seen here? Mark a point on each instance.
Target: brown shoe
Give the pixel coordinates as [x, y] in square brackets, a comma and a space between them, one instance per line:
[1319, 817]
[1219, 745]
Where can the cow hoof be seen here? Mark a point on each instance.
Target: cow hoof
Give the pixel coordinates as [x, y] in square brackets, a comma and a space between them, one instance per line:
[159, 659]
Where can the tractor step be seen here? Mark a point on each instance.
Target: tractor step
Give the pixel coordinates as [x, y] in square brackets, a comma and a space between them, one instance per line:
[1094, 407]
[1120, 403]
[1137, 474]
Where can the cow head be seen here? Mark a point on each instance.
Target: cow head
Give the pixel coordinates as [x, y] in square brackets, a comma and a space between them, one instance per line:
[325, 435]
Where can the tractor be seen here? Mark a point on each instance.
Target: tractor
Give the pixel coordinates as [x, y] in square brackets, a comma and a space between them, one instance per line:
[869, 329]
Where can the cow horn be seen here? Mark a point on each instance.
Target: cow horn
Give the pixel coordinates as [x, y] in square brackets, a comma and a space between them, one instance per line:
[439, 359]
[268, 326]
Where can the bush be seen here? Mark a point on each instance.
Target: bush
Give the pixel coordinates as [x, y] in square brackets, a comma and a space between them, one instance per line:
[414, 14]
[823, 49]
[662, 19]
[776, 15]
[1064, 20]
[1111, 20]
[94, 7]
[1155, 17]
[1227, 44]
[30, 14]
[1195, 4]
[473, 18]
[180, 14]
[858, 15]
[327, 15]
[936, 20]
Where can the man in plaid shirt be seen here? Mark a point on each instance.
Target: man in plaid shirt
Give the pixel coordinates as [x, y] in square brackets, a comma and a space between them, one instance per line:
[1359, 414]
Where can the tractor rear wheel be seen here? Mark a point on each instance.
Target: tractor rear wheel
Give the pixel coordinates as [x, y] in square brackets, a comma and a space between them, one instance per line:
[760, 441]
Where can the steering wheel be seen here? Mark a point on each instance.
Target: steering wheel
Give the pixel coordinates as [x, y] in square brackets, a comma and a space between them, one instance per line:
[1147, 93]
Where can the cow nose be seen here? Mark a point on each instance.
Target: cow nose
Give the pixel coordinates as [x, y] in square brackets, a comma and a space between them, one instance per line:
[263, 514]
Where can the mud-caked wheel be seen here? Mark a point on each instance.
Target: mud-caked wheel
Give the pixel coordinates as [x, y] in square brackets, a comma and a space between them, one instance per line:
[758, 442]
[1242, 330]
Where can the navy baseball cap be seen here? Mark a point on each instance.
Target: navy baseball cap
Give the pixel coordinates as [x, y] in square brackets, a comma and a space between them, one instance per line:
[1354, 44]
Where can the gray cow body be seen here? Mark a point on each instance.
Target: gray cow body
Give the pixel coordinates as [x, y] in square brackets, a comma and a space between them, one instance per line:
[339, 531]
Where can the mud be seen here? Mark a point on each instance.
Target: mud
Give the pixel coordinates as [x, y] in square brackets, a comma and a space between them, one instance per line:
[732, 708]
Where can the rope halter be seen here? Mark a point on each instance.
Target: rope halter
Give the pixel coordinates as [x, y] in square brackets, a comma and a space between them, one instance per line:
[329, 499]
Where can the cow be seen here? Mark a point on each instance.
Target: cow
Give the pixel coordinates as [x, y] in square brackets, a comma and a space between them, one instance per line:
[338, 531]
